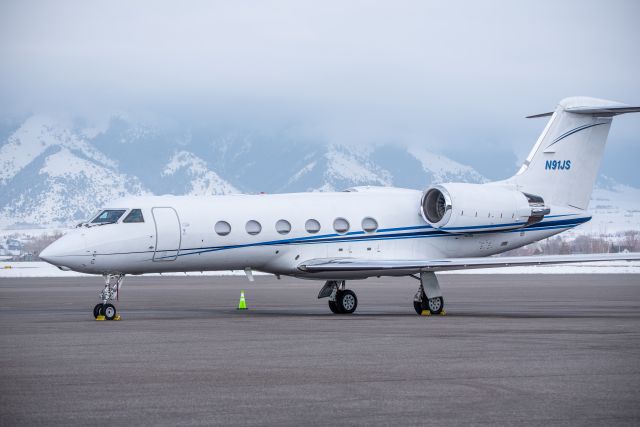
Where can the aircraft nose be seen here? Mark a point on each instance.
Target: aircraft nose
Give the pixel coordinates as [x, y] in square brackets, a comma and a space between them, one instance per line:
[49, 253]
[66, 246]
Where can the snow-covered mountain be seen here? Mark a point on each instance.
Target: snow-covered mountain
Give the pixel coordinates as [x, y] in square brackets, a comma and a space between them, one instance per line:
[58, 172]
[51, 175]
[197, 178]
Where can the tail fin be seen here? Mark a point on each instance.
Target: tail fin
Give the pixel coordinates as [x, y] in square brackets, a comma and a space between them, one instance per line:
[563, 164]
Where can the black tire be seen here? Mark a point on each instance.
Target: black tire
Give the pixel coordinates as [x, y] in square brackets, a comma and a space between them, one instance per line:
[347, 301]
[97, 310]
[436, 305]
[421, 305]
[109, 311]
[333, 307]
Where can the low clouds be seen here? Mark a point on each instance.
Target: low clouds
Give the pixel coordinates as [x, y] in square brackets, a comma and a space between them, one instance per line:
[443, 72]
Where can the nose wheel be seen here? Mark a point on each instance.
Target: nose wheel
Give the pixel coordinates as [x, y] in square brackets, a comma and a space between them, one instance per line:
[109, 311]
[106, 310]
[97, 310]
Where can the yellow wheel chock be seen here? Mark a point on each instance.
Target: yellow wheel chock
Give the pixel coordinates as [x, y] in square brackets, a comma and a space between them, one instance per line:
[428, 313]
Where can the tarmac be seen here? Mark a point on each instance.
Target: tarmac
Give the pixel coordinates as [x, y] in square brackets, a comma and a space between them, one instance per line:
[512, 350]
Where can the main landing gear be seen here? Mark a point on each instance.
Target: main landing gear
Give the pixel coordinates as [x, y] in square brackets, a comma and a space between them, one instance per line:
[108, 294]
[429, 296]
[341, 300]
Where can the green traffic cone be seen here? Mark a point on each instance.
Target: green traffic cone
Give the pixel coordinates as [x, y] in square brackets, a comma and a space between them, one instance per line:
[243, 303]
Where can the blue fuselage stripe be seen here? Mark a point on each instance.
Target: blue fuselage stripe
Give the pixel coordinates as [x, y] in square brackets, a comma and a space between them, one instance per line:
[421, 231]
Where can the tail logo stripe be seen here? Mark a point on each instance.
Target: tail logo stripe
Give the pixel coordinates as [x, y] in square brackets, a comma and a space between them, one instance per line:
[572, 131]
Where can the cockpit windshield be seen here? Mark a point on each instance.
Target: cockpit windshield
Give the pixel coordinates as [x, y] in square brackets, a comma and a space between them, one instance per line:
[134, 216]
[108, 216]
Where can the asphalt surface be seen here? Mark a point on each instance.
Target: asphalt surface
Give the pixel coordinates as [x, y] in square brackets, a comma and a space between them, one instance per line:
[525, 350]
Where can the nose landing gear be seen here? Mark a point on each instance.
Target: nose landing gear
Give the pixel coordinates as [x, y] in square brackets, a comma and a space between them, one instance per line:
[341, 300]
[106, 310]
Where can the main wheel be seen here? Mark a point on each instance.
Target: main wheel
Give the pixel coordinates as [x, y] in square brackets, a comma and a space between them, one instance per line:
[97, 310]
[436, 305]
[333, 306]
[346, 301]
[109, 311]
[419, 303]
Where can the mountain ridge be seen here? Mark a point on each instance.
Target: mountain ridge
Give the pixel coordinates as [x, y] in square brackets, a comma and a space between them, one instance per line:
[55, 173]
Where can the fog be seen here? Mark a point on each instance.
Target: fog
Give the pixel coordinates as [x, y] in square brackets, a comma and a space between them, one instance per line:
[456, 76]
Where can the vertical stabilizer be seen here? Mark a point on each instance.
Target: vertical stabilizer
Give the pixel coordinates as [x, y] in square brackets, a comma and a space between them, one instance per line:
[563, 164]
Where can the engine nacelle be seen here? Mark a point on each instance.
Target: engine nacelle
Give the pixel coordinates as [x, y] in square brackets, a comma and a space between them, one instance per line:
[460, 208]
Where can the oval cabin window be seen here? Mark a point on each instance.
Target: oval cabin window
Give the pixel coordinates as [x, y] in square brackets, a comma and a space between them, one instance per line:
[369, 224]
[312, 226]
[341, 225]
[222, 228]
[253, 227]
[283, 226]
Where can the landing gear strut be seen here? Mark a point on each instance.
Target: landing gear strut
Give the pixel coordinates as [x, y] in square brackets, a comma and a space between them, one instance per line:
[112, 283]
[341, 300]
[429, 296]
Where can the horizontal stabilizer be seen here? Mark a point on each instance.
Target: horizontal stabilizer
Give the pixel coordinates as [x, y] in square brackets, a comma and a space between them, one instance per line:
[535, 116]
[591, 106]
[604, 110]
[443, 264]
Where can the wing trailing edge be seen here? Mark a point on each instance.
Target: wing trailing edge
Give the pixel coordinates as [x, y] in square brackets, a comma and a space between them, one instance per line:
[323, 265]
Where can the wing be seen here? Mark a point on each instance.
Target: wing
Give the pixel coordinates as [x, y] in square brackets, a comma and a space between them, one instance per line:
[325, 265]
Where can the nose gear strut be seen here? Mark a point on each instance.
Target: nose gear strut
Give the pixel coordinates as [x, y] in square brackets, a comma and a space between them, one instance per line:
[106, 310]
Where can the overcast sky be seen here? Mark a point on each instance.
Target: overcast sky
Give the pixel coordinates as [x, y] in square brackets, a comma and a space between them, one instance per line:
[454, 75]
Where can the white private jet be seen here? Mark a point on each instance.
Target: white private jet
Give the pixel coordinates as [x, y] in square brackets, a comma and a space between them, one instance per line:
[361, 232]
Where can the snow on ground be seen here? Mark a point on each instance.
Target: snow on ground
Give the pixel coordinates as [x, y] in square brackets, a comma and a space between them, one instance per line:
[43, 269]
[608, 267]
[30, 233]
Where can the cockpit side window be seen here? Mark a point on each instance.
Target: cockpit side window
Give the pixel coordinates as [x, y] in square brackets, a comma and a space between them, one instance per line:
[108, 216]
[134, 216]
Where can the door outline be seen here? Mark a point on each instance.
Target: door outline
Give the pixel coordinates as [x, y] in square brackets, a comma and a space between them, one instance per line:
[155, 224]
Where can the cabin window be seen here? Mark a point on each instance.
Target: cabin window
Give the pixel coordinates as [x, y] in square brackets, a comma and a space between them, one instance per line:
[253, 227]
[312, 226]
[108, 216]
[369, 224]
[222, 228]
[341, 225]
[283, 226]
[134, 216]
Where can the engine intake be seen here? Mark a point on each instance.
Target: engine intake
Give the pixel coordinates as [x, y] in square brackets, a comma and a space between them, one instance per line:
[459, 207]
[436, 205]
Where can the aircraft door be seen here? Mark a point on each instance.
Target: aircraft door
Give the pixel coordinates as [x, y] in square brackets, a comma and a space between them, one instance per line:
[167, 234]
